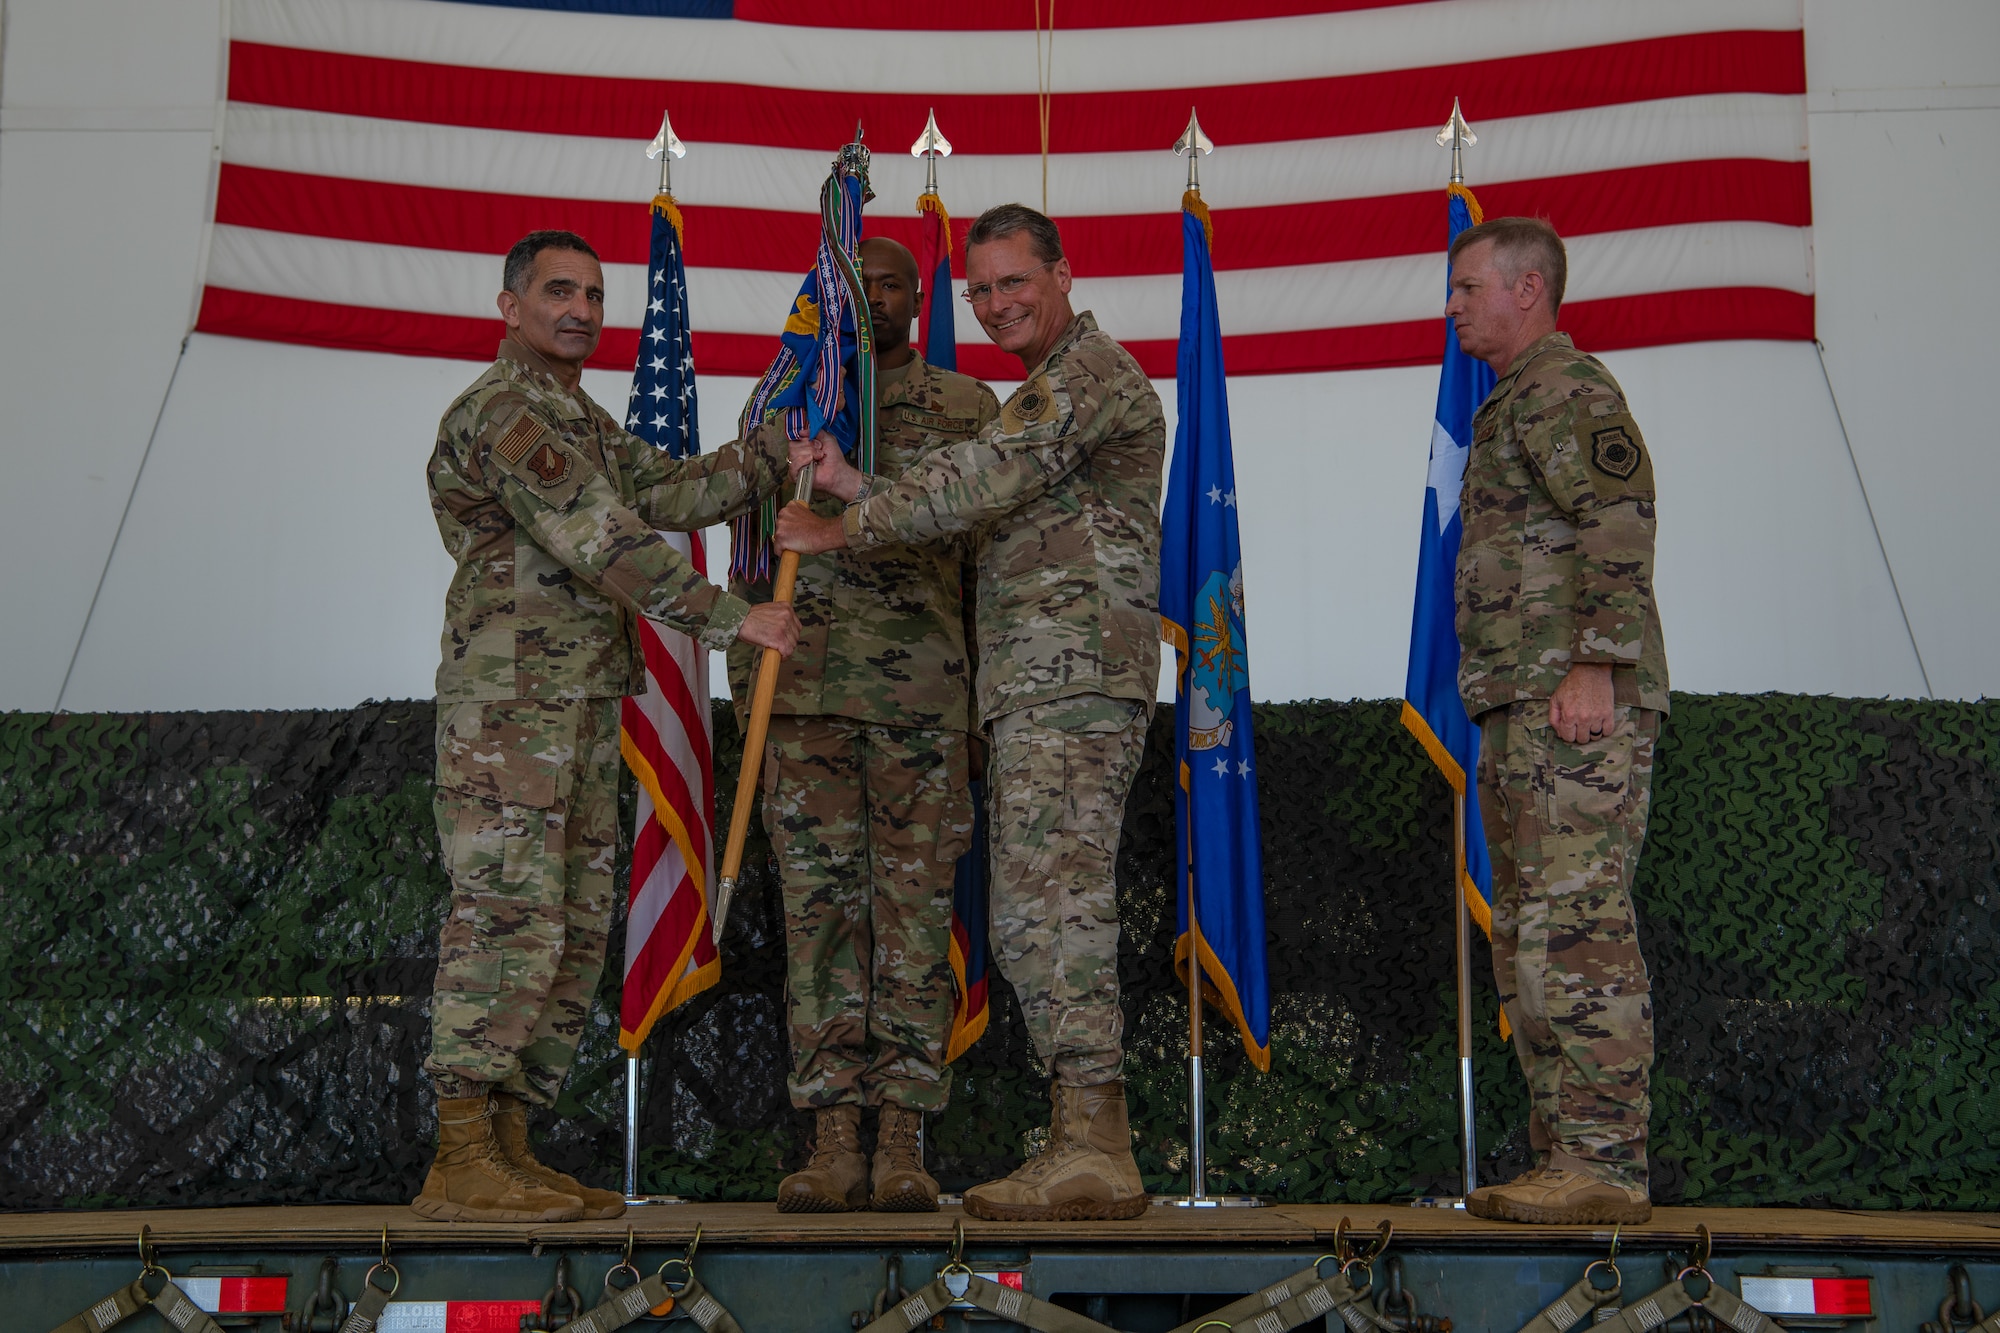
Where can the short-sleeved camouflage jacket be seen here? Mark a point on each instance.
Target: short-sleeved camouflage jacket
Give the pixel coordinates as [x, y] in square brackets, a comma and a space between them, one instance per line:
[1060, 498]
[883, 630]
[549, 509]
[1557, 562]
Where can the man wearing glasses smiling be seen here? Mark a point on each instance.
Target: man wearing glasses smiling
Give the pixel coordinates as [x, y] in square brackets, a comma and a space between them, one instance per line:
[1060, 501]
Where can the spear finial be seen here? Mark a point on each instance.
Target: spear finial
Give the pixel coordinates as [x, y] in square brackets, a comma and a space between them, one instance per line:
[666, 146]
[1457, 136]
[931, 146]
[1192, 145]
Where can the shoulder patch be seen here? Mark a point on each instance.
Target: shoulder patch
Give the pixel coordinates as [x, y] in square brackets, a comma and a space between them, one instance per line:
[517, 439]
[540, 460]
[1031, 405]
[1615, 453]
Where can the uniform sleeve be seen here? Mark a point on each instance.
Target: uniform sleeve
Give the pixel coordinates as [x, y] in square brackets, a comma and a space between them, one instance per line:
[1594, 463]
[1042, 434]
[686, 494]
[574, 514]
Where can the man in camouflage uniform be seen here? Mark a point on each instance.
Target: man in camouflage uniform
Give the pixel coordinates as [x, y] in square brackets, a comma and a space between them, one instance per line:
[1563, 666]
[549, 511]
[1060, 498]
[866, 793]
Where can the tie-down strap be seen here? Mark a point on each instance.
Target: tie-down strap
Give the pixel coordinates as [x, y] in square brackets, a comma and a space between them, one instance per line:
[1278, 1308]
[1650, 1312]
[1574, 1306]
[692, 1301]
[172, 1303]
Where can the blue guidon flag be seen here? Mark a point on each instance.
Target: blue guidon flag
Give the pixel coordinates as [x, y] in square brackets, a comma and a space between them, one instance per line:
[825, 366]
[1432, 708]
[1201, 615]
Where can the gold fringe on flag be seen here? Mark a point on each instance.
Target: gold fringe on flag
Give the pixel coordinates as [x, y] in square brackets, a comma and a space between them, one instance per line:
[664, 205]
[1191, 202]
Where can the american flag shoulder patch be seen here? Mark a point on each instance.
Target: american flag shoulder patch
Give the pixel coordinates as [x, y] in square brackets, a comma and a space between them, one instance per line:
[517, 439]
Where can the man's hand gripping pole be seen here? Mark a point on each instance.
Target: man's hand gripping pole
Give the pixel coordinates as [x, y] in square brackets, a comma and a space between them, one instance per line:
[761, 695]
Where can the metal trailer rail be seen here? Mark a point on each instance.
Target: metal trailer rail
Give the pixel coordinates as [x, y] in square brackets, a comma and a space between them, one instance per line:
[833, 1273]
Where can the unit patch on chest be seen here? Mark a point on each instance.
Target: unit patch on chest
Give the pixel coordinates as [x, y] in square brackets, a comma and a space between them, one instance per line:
[1614, 453]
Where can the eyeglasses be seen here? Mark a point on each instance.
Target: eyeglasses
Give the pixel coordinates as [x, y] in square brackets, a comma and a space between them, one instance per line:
[982, 292]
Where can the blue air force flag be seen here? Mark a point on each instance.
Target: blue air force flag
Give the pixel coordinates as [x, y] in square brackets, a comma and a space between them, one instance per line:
[1432, 709]
[1201, 614]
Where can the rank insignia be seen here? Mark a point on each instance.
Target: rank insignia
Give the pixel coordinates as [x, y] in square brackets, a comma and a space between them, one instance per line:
[1614, 453]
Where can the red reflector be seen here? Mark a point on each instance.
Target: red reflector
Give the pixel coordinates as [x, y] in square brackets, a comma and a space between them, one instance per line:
[1008, 1280]
[236, 1295]
[1841, 1295]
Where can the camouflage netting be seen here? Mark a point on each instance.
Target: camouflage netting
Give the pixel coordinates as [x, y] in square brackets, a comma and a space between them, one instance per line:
[219, 932]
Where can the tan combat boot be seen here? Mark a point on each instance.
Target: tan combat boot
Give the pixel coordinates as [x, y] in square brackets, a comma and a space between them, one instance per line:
[510, 1132]
[1085, 1174]
[901, 1183]
[835, 1180]
[471, 1181]
[1559, 1197]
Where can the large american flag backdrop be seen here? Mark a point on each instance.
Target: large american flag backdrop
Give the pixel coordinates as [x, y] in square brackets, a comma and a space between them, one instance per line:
[379, 156]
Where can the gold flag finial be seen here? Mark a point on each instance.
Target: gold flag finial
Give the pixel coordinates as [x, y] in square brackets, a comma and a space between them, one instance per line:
[931, 146]
[1193, 145]
[1457, 136]
[666, 146]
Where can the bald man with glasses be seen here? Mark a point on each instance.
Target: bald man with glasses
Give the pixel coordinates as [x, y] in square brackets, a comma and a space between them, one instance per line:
[1060, 501]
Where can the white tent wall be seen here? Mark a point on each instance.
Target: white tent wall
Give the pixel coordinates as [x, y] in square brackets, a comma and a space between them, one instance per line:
[277, 550]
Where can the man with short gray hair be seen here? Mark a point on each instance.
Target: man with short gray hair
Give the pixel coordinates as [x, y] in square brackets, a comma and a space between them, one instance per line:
[1563, 667]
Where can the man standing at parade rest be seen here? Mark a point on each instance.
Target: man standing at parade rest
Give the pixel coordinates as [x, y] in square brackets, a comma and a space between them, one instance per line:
[1061, 499]
[549, 510]
[866, 793]
[1563, 666]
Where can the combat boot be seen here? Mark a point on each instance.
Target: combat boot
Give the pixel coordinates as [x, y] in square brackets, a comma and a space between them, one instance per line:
[1554, 1196]
[510, 1132]
[835, 1179]
[472, 1181]
[901, 1183]
[1085, 1174]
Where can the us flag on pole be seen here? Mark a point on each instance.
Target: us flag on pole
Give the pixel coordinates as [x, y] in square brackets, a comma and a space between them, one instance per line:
[666, 733]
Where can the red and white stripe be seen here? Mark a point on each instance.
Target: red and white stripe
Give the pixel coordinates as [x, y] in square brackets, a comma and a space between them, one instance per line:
[379, 155]
[455, 1316]
[236, 1295]
[668, 742]
[1849, 1296]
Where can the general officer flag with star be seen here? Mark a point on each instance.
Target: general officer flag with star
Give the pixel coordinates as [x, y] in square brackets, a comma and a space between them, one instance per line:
[1201, 614]
[1432, 708]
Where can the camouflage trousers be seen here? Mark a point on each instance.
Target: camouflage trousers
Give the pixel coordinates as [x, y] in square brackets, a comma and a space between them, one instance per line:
[868, 823]
[1060, 773]
[526, 806]
[1564, 826]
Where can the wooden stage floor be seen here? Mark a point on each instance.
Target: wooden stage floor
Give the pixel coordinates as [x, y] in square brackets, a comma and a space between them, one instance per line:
[760, 1225]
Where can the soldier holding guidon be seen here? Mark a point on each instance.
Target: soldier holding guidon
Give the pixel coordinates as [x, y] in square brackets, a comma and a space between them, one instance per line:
[548, 509]
[866, 795]
[1563, 666]
[1060, 499]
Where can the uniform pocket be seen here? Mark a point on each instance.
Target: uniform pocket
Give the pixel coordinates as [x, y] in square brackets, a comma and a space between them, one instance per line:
[519, 752]
[472, 972]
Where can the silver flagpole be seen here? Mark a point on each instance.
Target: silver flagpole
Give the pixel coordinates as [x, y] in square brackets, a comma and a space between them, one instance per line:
[1192, 145]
